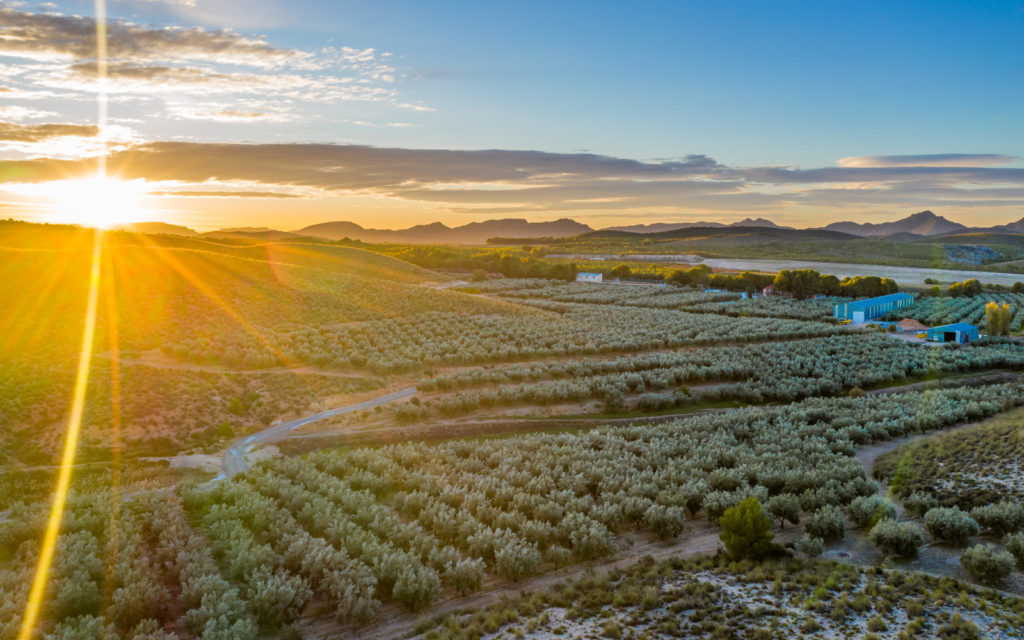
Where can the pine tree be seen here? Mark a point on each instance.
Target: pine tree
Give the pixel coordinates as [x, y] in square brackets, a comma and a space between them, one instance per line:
[745, 530]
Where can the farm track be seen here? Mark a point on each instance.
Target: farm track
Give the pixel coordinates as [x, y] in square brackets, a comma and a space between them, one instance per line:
[700, 538]
[297, 443]
[932, 559]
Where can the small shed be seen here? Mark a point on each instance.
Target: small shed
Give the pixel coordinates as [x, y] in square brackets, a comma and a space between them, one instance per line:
[584, 276]
[910, 325]
[959, 332]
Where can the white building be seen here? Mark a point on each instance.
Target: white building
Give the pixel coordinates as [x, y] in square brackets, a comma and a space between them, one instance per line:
[589, 277]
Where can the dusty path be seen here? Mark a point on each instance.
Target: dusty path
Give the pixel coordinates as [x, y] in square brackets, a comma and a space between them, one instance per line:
[700, 538]
[159, 360]
[933, 559]
[235, 456]
[298, 443]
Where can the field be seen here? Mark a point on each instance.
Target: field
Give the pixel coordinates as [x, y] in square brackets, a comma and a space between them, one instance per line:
[545, 429]
[721, 599]
[939, 311]
[796, 246]
[976, 466]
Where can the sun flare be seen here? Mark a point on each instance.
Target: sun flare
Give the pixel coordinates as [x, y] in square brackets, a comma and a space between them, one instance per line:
[96, 202]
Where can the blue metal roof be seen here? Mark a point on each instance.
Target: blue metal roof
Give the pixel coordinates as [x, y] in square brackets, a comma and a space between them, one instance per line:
[870, 302]
[956, 326]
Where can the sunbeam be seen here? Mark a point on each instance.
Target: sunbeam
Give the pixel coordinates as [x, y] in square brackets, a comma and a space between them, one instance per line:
[67, 462]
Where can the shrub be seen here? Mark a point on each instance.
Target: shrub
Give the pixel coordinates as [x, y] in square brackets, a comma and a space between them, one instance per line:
[1014, 543]
[866, 511]
[897, 538]
[826, 523]
[987, 563]
[959, 629]
[1000, 518]
[745, 530]
[950, 524]
[919, 502]
[810, 546]
[856, 392]
[479, 275]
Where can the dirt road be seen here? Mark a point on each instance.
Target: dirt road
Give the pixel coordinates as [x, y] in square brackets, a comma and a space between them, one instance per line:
[700, 538]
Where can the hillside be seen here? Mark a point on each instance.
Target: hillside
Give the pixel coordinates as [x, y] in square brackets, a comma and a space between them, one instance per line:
[236, 308]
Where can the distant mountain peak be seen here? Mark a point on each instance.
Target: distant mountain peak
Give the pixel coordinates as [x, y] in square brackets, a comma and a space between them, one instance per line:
[922, 223]
[437, 232]
[757, 222]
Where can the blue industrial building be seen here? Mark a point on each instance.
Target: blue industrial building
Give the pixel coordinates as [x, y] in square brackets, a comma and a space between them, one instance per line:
[864, 310]
[959, 332]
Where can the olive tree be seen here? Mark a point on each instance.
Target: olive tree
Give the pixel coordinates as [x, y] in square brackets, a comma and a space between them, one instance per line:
[987, 563]
[866, 511]
[1000, 518]
[784, 507]
[1014, 543]
[826, 523]
[897, 538]
[950, 524]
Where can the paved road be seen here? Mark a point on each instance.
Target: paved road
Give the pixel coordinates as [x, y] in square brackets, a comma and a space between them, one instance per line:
[234, 457]
[902, 275]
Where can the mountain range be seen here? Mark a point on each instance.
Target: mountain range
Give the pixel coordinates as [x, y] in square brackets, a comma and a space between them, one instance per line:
[921, 224]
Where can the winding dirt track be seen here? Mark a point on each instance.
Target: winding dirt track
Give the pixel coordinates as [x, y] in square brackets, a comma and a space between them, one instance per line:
[700, 538]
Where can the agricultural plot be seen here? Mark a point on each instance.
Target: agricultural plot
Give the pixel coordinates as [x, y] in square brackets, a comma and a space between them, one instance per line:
[713, 597]
[645, 295]
[939, 311]
[750, 373]
[345, 531]
[669, 297]
[771, 307]
[561, 329]
[973, 467]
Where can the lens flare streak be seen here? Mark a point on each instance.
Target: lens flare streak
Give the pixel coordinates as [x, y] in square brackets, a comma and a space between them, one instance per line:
[60, 495]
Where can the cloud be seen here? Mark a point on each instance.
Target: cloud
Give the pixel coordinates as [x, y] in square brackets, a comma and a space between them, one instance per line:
[508, 181]
[930, 160]
[50, 36]
[13, 132]
[197, 73]
[224, 194]
[23, 113]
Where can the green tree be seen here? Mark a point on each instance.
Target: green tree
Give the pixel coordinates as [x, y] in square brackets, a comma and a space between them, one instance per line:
[622, 272]
[745, 530]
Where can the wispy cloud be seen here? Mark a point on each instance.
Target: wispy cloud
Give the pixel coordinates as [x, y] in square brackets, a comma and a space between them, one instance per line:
[191, 70]
[930, 160]
[504, 181]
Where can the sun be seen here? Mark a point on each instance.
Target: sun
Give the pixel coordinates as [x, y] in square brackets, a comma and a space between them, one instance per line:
[96, 202]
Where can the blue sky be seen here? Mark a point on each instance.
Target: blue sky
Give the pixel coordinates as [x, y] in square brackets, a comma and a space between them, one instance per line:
[750, 84]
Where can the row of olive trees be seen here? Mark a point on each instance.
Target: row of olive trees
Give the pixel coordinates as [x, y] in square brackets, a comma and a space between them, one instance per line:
[753, 373]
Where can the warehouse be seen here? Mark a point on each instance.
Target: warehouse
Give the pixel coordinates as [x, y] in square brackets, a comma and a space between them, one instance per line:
[959, 332]
[864, 310]
[583, 276]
